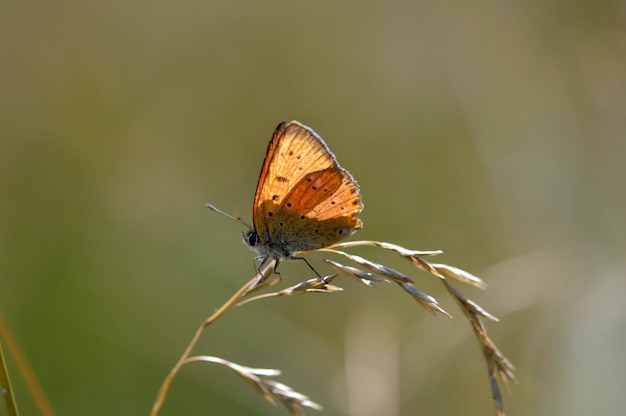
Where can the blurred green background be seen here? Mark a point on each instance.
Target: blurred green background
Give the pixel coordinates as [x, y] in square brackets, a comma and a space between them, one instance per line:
[495, 131]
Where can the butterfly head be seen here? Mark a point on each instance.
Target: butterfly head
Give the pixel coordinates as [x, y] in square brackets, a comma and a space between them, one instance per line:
[251, 239]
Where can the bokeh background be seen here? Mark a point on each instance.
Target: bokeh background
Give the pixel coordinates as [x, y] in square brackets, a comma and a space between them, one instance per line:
[495, 131]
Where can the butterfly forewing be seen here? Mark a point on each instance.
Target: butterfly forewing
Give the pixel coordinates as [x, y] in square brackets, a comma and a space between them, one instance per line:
[304, 199]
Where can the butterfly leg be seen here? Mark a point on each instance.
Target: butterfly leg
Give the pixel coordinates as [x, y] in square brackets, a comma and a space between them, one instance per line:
[308, 264]
[261, 258]
[277, 259]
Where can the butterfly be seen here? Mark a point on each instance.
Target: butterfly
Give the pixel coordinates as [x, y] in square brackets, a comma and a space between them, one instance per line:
[304, 200]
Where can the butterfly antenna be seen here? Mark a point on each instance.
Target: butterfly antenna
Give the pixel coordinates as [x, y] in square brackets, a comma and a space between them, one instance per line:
[236, 218]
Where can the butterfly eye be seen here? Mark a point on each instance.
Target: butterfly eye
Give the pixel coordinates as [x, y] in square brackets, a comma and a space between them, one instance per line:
[251, 238]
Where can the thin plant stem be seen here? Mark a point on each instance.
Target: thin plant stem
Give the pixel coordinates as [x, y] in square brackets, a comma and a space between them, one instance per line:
[25, 370]
[5, 382]
[183, 358]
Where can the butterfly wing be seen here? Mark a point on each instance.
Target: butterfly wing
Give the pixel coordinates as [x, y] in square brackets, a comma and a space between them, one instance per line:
[304, 199]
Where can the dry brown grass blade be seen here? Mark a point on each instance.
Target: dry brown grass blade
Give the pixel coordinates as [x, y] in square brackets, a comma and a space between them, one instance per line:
[459, 274]
[498, 366]
[271, 390]
[376, 268]
[290, 398]
[387, 246]
[358, 274]
[426, 301]
[263, 284]
[24, 368]
[422, 264]
[467, 304]
[315, 285]
[415, 256]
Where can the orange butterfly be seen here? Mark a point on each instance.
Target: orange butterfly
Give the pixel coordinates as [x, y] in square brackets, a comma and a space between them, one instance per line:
[304, 200]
